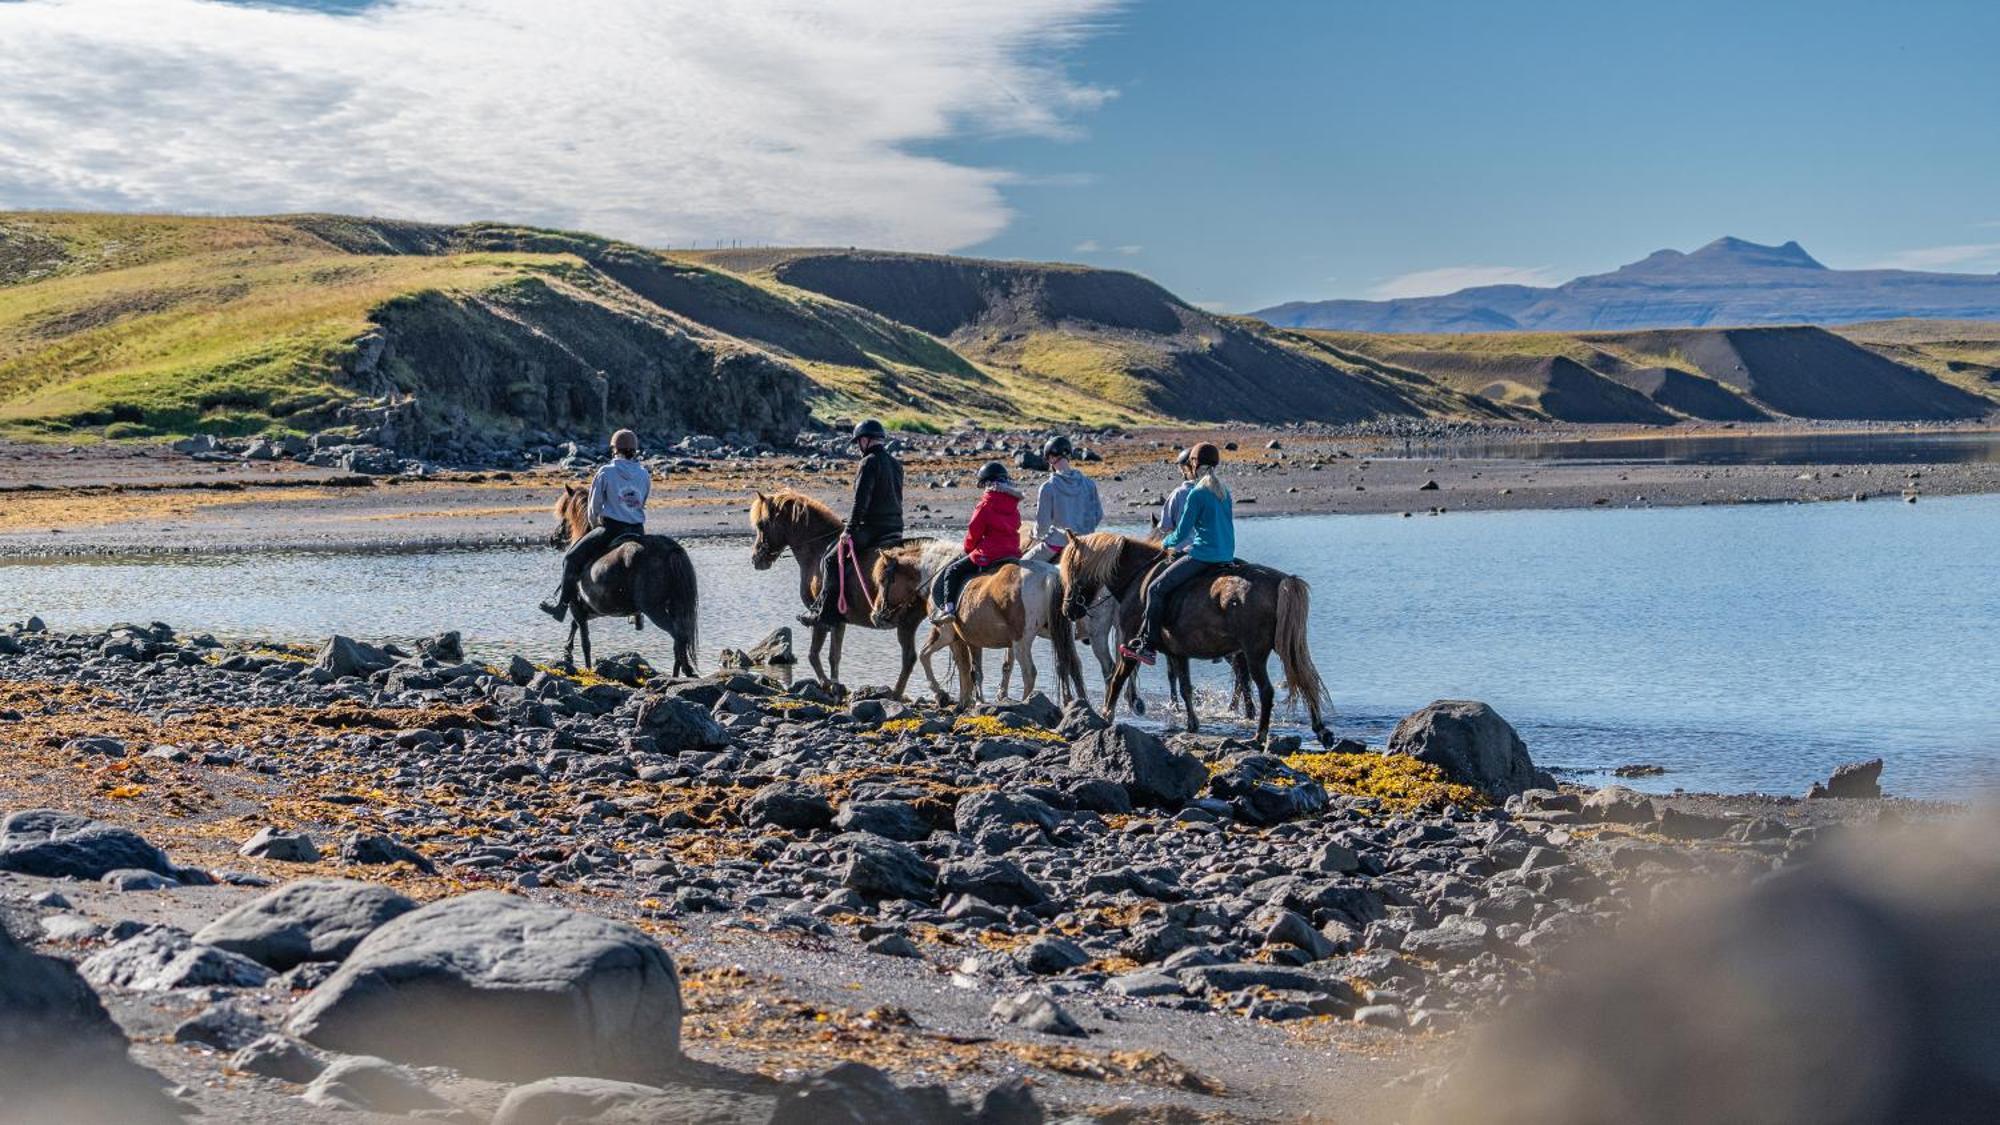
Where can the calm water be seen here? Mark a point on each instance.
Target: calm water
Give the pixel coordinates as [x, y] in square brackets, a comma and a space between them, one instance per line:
[1952, 447]
[1741, 647]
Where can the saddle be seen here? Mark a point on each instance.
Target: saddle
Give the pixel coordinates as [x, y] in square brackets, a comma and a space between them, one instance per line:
[1208, 571]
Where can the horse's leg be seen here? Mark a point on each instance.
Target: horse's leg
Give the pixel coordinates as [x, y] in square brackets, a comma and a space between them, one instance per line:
[965, 657]
[932, 644]
[818, 641]
[1023, 654]
[1119, 676]
[583, 630]
[833, 654]
[1007, 663]
[1262, 676]
[569, 647]
[906, 638]
[1179, 675]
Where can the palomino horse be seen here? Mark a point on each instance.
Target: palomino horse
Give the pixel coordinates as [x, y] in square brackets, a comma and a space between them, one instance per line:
[1005, 608]
[1240, 609]
[792, 520]
[647, 578]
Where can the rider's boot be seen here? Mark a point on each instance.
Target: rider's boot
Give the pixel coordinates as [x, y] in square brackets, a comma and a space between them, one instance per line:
[560, 607]
[1139, 648]
[943, 612]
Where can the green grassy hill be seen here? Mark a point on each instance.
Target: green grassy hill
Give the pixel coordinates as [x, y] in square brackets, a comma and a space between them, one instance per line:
[130, 326]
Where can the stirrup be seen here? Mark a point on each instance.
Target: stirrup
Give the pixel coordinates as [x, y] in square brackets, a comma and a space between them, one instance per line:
[1142, 655]
[811, 620]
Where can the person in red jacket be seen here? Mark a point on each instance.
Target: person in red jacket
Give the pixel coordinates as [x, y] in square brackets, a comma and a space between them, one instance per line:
[993, 537]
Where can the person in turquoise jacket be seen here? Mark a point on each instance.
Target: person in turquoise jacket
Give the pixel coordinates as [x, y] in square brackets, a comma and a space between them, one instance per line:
[1204, 535]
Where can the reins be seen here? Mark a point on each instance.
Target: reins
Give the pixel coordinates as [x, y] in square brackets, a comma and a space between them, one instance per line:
[844, 555]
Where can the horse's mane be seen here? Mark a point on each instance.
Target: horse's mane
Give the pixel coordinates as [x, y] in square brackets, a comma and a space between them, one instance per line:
[934, 555]
[1095, 556]
[792, 505]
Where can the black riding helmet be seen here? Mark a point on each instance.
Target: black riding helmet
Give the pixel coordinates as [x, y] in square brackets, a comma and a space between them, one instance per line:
[1057, 446]
[992, 472]
[870, 428]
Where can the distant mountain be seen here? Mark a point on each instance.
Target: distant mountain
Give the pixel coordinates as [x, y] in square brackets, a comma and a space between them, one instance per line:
[1727, 282]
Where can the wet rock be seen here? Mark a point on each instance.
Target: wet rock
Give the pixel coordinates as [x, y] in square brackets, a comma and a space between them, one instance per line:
[280, 1057]
[280, 845]
[520, 672]
[162, 959]
[1619, 805]
[56, 844]
[788, 804]
[1151, 772]
[314, 920]
[1037, 1011]
[1853, 780]
[880, 868]
[345, 656]
[445, 648]
[363, 1083]
[1472, 744]
[1261, 789]
[774, 649]
[501, 987]
[375, 849]
[678, 725]
[628, 668]
[893, 820]
[62, 1057]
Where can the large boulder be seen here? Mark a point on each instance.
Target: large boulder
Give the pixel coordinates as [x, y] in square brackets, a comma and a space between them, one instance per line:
[677, 725]
[345, 656]
[1472, 744]
[501, 987]
[1151, 772]
[56, 844]
[62, 1057]
[312, 920]
[1860, 780]
[788, 804]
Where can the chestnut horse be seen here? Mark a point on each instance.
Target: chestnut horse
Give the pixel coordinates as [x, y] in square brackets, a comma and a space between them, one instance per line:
[787, 520]
[646, 578]
[1005, 608]
[1240, 609]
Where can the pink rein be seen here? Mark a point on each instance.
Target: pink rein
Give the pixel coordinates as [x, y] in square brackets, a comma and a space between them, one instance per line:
[844, 555]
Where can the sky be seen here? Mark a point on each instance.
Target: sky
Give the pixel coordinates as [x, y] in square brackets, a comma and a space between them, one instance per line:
[1240, 153]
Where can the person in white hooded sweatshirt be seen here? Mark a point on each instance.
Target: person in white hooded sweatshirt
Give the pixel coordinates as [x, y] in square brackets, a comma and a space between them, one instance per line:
[1068, 499]
[617, 508]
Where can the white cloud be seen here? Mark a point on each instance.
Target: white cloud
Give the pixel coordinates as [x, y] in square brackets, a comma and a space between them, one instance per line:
[663, 121]
[1130, 249]
[1087, 246]
[1941, 257]
[1450, 279]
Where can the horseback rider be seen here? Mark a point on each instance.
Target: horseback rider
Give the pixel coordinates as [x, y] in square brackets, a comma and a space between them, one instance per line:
[616, 509]
[1170, 508]
[993, 537]
[1068, 499]
[875, 520]
[1203, 535]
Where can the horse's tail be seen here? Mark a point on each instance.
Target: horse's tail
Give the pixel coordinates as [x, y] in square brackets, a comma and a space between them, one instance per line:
[674, 605]
[1289, 639]
[1062, 638]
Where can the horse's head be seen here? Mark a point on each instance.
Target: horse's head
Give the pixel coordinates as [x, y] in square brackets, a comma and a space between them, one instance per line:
[571, 515]
[1079, 578]
[898, 585]
[766, 548]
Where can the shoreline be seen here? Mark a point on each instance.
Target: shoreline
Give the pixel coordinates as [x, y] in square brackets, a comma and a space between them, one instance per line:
[131, 501]
[1211, 951]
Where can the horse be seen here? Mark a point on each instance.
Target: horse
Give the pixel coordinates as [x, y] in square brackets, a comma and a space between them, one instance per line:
[788, 520]
[1004, 608]
[1241, 609]
[644, 577]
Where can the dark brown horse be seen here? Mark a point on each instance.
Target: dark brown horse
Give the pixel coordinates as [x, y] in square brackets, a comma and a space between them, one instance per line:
[787, 520]
[1239, 610]
[646, 578]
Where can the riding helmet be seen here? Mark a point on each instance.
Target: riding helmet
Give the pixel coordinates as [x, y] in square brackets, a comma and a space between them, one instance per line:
[992, 472]
[1205, 453]
[1181, 458]
[870, 428]
[1057, 446]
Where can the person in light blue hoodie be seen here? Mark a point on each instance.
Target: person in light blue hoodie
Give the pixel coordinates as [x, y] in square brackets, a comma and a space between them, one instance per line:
[1170, 508]
[1067, 501]
[616, 508]
[1203, 536]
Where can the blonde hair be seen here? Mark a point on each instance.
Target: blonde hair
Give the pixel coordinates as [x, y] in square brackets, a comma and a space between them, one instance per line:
[1208, 479]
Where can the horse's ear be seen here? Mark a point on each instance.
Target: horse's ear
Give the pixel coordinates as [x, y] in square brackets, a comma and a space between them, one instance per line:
[763, 498]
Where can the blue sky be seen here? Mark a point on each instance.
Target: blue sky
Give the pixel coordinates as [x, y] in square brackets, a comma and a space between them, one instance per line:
[1240, 153]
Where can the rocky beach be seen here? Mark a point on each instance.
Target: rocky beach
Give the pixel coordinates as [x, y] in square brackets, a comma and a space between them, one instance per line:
[306, 880]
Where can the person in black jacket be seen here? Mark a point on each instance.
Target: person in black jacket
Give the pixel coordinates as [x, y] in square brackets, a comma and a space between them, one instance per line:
[876, 520]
